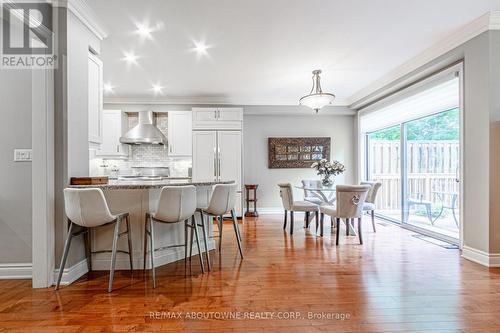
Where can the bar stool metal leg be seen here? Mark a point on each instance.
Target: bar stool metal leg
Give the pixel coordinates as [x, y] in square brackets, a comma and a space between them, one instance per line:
[145, 240]
[185, 241]
[191, 242]
[220, 223]
[65, 254]
[88, 248]
[200, 254]
[152, 251]
[203, 226]
[237, 232]
[129, 236]
[113, 255]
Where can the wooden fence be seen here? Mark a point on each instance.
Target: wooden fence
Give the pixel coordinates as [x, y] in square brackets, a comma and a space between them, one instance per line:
[432, 171]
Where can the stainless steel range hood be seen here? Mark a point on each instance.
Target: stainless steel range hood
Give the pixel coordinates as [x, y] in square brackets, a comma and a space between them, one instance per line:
[145, 132]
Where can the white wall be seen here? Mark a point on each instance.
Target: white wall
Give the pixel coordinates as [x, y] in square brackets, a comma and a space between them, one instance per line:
[257, 129]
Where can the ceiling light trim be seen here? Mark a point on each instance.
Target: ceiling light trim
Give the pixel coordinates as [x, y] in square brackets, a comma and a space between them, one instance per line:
[488, 21]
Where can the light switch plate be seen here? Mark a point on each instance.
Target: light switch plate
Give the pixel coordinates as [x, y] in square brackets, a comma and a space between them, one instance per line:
[22, 155]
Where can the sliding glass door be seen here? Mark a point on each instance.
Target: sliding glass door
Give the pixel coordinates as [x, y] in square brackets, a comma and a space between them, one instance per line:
[431, 173]
[384, 165]
[418, 164]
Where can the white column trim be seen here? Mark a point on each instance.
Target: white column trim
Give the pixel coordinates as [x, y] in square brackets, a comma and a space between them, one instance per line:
[43, 177]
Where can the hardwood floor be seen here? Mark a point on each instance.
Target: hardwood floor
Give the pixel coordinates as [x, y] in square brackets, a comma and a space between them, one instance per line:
[392, 283]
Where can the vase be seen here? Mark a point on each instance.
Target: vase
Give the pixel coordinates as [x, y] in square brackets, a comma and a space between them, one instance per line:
[326, 180]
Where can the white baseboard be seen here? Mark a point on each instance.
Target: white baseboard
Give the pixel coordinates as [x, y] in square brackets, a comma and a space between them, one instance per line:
[72, 273]
[16, 271]
[274, 211]
[481, 257]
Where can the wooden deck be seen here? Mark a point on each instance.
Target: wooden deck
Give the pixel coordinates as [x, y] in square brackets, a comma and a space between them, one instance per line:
[392, 283]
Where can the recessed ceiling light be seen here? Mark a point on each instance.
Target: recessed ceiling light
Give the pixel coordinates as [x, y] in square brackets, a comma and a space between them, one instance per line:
[157, 88]
[108, 88]
[201, 48]
[130, 58]
[144, 31]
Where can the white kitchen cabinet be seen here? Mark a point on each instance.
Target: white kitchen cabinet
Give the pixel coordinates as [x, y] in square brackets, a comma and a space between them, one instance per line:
[95, 101]
[217, 118]
[204, 155]
[113, 126]
[179, 133]
[217, 155]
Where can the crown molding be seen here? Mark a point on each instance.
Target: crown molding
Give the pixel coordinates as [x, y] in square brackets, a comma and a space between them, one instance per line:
[82, 10]
[488, 21]
[200, 100]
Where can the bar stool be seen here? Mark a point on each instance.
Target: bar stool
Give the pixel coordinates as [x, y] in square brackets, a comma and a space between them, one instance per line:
[88, 208]
[222, 202]
[176, 204]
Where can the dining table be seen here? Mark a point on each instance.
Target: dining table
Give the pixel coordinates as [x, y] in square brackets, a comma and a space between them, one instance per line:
[327, 195]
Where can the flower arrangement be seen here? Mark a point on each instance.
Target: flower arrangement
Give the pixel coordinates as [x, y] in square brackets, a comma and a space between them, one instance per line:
[326, 169]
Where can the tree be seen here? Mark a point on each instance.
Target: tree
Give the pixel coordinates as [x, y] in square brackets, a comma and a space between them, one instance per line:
[441, 126]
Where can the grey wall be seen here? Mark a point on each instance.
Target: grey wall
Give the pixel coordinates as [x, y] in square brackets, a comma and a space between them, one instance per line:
[256, 130]
[15, 177]
[481, 56]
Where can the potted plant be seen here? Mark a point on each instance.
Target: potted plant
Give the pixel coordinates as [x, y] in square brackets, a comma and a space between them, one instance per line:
[327, 169]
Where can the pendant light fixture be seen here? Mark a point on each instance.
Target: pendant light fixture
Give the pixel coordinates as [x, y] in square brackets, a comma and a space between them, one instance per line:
[317, 98]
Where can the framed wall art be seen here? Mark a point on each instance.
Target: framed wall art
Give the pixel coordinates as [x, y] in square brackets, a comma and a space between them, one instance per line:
[285, 153]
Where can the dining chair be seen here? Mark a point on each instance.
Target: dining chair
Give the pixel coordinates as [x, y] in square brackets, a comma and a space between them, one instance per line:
[292, 206]
[88, 209]
[223, 202]
[350, 200]
[369, 205]
[176, 204]
[308, 194]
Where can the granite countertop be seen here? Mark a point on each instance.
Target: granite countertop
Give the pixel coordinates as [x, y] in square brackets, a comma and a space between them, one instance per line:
[116, 184]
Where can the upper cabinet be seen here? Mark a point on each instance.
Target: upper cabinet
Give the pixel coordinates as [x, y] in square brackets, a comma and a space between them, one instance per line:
[179, 133]
[95, 101]
[114, 124]
[217, 118]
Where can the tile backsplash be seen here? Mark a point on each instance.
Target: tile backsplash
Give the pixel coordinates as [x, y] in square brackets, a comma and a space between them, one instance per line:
[143, 155]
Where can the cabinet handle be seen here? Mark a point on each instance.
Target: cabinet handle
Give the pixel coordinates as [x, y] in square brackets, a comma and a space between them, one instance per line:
[218, 114]
[218, 160]
[170, 149]
[117, 148]
[215, 114]
[215, 164]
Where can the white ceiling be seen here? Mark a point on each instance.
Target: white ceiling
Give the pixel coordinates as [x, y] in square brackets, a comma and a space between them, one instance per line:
[262, 51]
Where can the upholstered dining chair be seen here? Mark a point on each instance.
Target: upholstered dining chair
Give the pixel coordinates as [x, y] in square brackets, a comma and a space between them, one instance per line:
[87, 208]
[369, 205]
[308, 194]
[292, 206]
[350, 200]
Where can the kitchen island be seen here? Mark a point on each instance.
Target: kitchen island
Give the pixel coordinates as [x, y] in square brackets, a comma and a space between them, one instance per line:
[138, 197]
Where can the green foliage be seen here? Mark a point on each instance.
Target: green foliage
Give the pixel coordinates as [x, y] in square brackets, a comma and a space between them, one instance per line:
[441, 126]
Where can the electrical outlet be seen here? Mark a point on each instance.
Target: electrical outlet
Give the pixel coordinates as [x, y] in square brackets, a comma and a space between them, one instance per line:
[22, 155]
